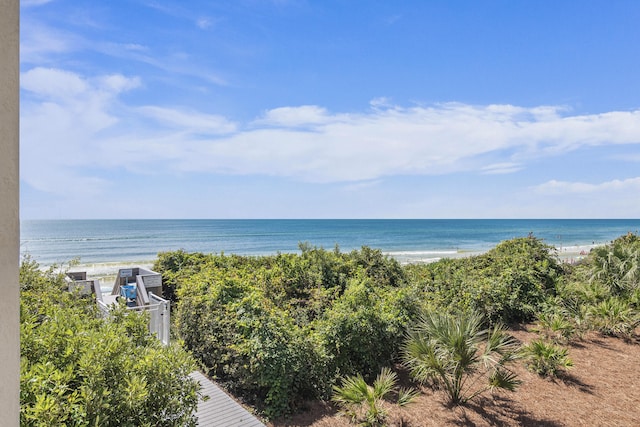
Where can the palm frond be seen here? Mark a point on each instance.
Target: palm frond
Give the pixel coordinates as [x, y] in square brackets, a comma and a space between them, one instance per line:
[407, 396]
[449, 350]
[504, 378]
[384, 383]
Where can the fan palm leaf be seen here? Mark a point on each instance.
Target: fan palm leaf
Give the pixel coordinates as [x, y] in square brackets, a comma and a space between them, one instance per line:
[453, 351]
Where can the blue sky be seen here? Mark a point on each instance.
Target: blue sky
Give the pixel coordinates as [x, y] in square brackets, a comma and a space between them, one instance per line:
[330, 109]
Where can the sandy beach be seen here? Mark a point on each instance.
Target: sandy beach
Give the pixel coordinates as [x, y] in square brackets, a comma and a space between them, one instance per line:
[106, 271]
[569, 254]
[573, 254]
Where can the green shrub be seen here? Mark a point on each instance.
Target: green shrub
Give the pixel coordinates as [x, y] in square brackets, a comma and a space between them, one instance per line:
[510, 283]
[173, 266]
[364, 328]
[281, 329]
[247, 342]
[546, 359]
[81, 370]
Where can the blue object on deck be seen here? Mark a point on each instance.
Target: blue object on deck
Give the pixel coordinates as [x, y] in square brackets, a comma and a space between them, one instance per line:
[129, 291]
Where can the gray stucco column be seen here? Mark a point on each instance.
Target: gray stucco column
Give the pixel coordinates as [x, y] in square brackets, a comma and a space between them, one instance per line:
[9, 214]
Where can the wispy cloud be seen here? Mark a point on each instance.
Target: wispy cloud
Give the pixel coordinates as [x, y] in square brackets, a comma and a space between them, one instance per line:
[292, 117]
[41, 44]
[203, 23]
[84, 121]
[616, 198]
[177, 64]
[187, 14]
[553, 187]
[190, 121]
[501, 168]
[63, 117]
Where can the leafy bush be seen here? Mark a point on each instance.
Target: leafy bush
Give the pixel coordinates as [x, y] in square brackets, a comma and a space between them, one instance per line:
[454, 352]
[509, 283]
[364, 328]
[174, 265]
[282, 329]
[546, 359]
[78, 369]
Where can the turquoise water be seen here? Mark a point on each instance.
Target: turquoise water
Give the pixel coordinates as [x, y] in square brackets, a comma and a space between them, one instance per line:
[104, 241]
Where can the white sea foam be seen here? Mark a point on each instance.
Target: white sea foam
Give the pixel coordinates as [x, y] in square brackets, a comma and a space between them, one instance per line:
[419, 253]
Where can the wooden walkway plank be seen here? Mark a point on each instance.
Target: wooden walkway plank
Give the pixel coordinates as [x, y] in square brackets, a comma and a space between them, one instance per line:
[220, 410]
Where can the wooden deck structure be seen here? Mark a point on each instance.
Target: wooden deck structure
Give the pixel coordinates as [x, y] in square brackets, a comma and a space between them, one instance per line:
[220, 410]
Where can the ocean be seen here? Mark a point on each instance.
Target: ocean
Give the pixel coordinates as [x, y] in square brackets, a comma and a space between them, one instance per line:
[138, 241]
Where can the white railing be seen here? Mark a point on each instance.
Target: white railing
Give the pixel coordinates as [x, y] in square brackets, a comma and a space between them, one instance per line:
[104, 308]
[159, 315]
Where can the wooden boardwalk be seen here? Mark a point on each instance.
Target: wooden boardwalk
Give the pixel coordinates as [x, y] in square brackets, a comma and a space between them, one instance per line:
[220, 410]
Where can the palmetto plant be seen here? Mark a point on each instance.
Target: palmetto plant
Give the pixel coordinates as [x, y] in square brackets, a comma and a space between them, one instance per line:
[615, 316]
[364, 403]
[617, 265]
[458, 354]
[546, 359]
[555, 326]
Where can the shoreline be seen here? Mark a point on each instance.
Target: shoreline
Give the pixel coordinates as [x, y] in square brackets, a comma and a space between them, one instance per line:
[572, 254]
[106, 271]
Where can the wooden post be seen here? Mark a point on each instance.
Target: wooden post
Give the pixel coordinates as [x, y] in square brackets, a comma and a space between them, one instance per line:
[9, 214]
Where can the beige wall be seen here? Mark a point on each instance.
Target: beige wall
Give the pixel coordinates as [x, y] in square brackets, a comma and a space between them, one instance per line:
[9, 216]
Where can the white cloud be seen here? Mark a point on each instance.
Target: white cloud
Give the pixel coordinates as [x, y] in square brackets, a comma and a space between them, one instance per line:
[69, 120]
[295, 116]
[203, 23]
[39, 44]
[312, 144]
[177, 63]
[553, 187]
[501, 168]
[62, 117]
[117, 83]
[135, 47]
[51, 82]
[617, 198]
[380, 102]
[190, 121]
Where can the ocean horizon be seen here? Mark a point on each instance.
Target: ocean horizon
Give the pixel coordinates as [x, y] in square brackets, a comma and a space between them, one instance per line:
[408, 240]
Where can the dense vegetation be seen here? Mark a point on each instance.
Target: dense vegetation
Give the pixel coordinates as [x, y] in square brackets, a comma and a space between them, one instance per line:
[78, 369]
[510, 283]
[282, 329]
